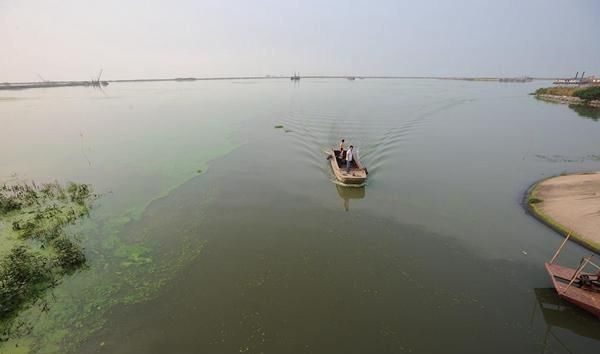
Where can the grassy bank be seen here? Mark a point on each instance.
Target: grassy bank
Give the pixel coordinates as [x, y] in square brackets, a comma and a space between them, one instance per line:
[532, 203]
[557, 91]
[586, 94]
[574, 96]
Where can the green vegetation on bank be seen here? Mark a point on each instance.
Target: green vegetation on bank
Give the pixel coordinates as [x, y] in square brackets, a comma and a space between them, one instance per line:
[556, 91]
[534, 200]
[586, 93]
[35, 249]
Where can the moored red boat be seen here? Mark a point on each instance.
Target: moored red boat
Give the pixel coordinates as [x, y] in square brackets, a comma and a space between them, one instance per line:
[575, 285]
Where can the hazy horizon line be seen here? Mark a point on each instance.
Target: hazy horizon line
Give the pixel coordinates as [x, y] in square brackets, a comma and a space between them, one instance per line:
[277, 76]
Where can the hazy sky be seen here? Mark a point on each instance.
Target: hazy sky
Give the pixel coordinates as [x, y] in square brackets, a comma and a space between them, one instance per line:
[74, 39]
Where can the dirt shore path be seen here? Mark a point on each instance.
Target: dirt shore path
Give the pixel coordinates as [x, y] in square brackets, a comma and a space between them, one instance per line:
[570, 204]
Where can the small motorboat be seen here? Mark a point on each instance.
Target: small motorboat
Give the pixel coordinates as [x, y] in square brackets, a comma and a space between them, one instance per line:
[356, 175]
[574, 284]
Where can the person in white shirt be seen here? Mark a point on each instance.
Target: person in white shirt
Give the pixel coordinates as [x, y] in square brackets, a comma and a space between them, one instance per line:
[349, 158]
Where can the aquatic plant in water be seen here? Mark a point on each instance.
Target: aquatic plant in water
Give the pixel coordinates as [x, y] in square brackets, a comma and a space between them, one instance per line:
[127, 269]
[24, 274]
[69, 255]
[39, 252]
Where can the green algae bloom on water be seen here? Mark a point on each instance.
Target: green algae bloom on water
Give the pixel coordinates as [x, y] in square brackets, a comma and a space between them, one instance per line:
[35, 250]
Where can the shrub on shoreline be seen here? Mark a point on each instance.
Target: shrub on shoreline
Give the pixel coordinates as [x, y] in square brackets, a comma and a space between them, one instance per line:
[588, 94]
[556, 91]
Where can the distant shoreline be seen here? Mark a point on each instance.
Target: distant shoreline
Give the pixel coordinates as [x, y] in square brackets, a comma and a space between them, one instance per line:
[51, 84]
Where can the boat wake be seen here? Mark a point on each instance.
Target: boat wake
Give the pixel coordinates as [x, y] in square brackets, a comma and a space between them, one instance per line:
[379, 133]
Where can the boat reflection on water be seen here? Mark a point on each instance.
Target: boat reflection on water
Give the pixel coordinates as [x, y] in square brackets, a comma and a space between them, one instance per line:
[560, 314]
[347, 193]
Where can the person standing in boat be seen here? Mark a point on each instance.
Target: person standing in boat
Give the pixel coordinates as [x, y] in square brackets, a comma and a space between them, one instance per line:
[349, 158]
[342, 152]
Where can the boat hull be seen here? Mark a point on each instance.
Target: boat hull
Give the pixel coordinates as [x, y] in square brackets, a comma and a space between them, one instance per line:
[357, 175]
[583, 298]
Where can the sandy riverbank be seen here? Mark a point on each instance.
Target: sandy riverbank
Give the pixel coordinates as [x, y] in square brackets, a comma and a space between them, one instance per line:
[569, 204]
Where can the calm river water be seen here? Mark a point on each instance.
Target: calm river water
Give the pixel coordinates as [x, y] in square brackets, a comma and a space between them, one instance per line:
[217, 233]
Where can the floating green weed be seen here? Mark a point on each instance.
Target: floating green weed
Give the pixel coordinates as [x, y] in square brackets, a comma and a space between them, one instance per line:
[33, 218]
[24, 277]
[133, 255]
[69, 255]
